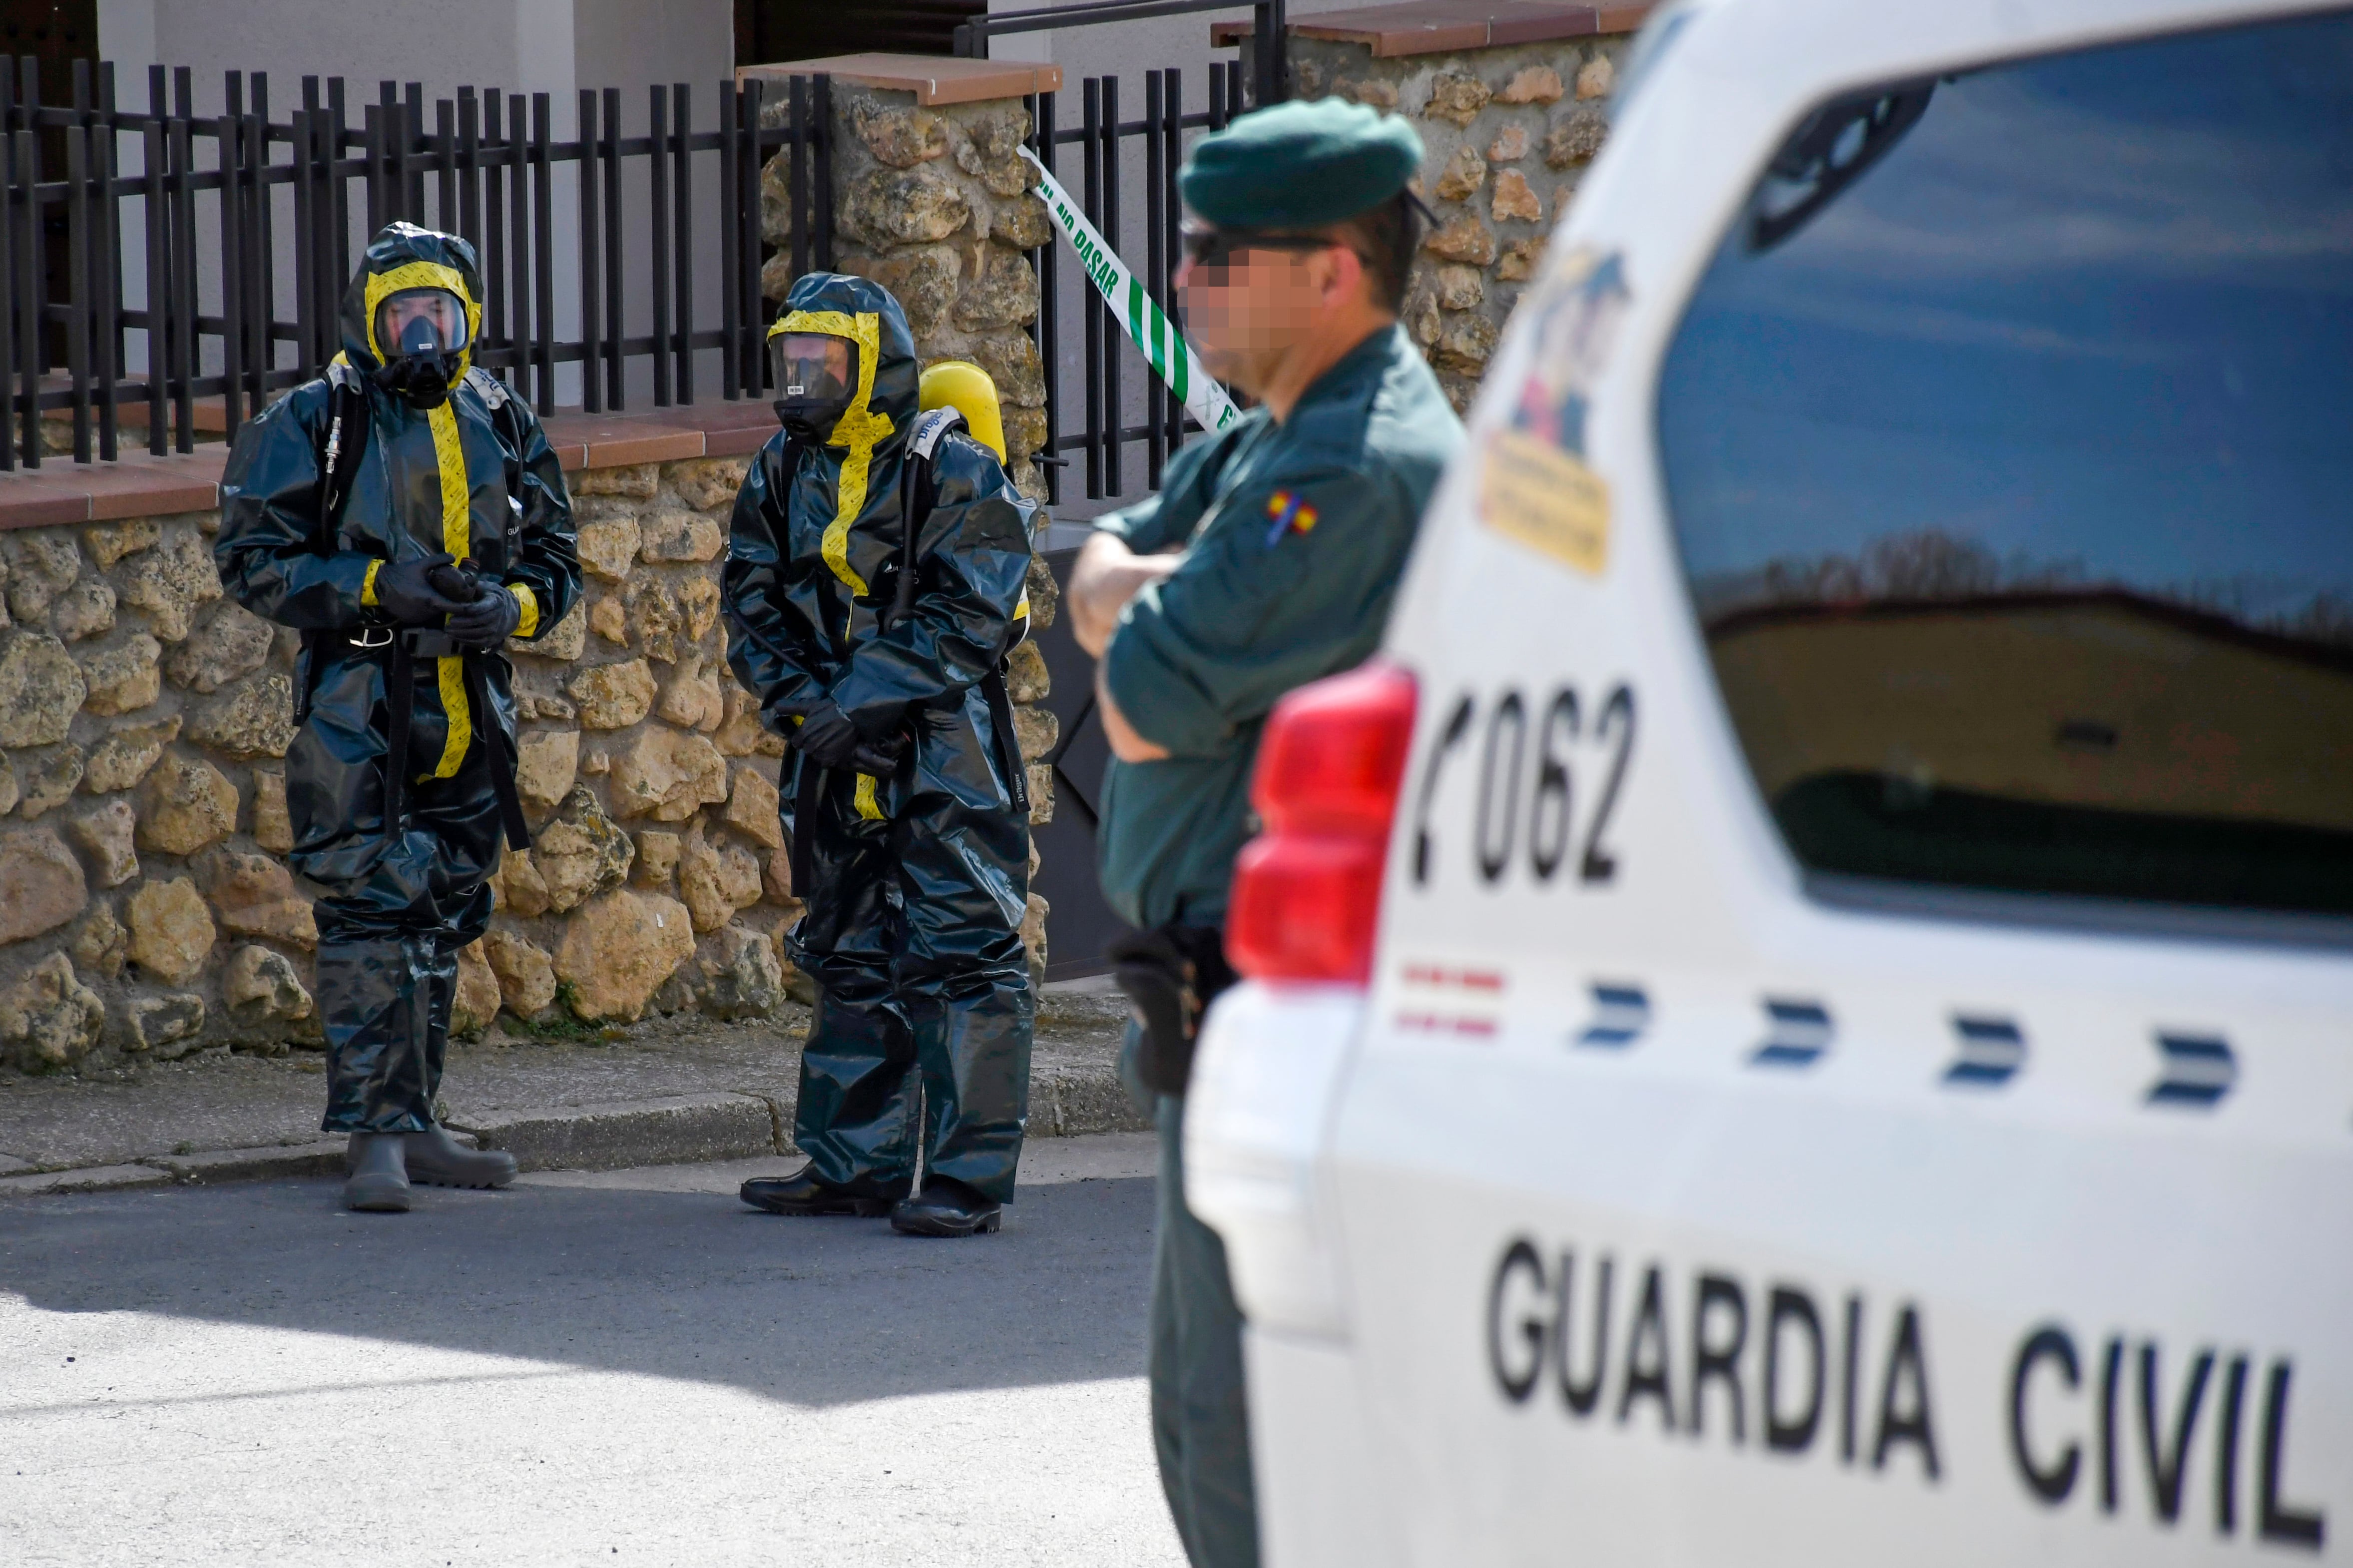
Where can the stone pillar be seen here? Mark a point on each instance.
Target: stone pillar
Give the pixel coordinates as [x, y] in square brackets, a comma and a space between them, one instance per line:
[931, 200]
[1510, 128]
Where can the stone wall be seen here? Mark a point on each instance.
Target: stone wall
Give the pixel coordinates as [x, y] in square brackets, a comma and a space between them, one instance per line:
[145, 909]
[1509, 132]
[933, 203]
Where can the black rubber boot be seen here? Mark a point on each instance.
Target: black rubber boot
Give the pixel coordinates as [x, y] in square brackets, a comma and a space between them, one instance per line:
[945, 1207]
[438, 1160]
[803, 1194]
[379, 1180]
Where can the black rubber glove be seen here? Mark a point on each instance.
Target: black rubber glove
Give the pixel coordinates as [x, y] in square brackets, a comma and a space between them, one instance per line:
[879, 757]
[827, 737]
[409, 594]
[490, 620]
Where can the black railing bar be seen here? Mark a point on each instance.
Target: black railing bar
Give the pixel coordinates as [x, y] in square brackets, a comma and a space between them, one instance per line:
[1094, 13]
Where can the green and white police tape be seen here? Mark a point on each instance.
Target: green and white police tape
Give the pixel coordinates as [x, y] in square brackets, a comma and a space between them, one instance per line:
[1148, 326]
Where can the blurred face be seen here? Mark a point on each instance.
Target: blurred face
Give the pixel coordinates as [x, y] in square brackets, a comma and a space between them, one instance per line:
[1248, 299]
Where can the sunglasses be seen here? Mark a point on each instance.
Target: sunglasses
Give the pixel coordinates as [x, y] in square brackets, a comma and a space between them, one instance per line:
[1205, 247]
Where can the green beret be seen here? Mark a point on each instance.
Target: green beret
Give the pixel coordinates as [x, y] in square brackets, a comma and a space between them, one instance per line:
[1299, 165]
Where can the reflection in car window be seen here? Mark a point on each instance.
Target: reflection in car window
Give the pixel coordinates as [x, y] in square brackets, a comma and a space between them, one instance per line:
[2014, 480]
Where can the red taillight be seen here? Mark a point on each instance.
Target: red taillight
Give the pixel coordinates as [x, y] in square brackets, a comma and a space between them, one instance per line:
[1306, 900]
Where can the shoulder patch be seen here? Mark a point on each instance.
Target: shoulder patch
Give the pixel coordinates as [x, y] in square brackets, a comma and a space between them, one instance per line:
[1287, 513]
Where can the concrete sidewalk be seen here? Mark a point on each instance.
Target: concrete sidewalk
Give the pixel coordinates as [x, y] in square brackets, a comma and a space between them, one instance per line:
[663, 1091]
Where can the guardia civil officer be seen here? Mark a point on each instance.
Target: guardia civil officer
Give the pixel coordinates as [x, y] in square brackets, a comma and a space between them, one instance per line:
[407, 515]
[1267, 560]
[872, 587]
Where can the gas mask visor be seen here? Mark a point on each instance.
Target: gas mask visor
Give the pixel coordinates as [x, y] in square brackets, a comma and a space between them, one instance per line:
[422, 335]
[816, 377]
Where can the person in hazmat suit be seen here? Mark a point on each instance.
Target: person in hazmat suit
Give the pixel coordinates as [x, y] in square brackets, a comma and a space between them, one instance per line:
[407, 515]
[872, 589]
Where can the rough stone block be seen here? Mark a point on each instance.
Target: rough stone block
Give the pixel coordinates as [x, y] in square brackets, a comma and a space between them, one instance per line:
[1511, 144]
[708, 483]
[46, 778]
[184, 804]
[635, 481]
[478, 994]
[156, 1024]
[580, 854]
[691, 700]
[170, 581]
[232, 641]
[109, 542]
[253, 717]
[50, 1018]
[1596, 77]
[680, 536]
[105, 832]
[1465, 172]
[122, 678]
[753, 807]
[618, 949]
[668, 775]
[654, 618]
[912, 206]
[657, 856]
[1515, 200]
[609, 549]
[262, 987]
[613, 696]
[526, 972]
[254, 895]
[547, 762]
[1464, 237]
[1520, 260]
[273, 829]
[42, 563]
[41, 688]
[124, 757]
[1575, 136]
[84, 610]
[1455, 97]
[172, 931]
[1531, 84]
[41, 885]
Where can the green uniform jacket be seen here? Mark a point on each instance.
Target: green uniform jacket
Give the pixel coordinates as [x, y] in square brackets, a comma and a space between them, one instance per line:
[1295, 535]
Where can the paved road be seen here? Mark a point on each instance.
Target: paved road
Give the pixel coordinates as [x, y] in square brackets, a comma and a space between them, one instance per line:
[626, 1367]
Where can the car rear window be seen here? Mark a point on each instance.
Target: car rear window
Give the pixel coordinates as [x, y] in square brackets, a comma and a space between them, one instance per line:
[2009, 441]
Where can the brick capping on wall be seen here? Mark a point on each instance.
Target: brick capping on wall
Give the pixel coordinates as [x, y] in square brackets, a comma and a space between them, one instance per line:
[141, 485]
[934, 81]
[1434, 26]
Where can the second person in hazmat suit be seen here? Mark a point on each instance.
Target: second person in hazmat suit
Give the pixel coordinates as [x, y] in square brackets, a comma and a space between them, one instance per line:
[407, 515]
[870, 609]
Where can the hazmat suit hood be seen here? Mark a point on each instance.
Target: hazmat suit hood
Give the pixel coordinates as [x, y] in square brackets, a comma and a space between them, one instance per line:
[403, 256]
[888, 380]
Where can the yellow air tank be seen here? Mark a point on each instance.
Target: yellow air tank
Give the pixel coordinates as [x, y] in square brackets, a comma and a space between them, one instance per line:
[964, 386]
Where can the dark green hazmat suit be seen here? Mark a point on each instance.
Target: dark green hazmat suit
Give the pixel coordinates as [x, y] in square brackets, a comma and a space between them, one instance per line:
[474, 476]
[915, 882]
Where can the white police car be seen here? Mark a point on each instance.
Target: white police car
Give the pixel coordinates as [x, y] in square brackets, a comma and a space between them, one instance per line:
[1803, 1013]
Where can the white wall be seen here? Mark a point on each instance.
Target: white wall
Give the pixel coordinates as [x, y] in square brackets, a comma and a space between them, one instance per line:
[556, 47]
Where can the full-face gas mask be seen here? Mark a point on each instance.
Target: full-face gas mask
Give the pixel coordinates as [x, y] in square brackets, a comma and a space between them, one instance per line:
[421, 336]
[815, 380]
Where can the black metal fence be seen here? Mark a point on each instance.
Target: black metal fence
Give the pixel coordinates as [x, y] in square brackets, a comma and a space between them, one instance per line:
[1094, 174]
[206, 198]
[1266, 24]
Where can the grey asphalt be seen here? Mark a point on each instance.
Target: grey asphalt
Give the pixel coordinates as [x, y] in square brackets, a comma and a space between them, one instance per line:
[614, 1367]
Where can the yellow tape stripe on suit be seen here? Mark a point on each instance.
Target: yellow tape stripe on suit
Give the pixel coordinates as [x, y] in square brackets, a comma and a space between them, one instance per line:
[457, 538]
[867, 806]
[860, 429]
[529, 601]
